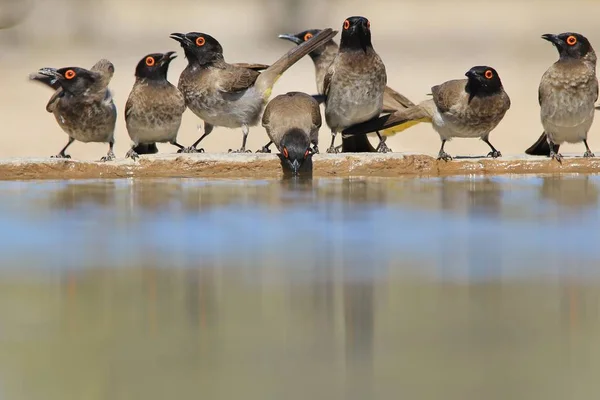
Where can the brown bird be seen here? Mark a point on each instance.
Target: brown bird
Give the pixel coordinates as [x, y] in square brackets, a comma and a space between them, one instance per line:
[467, 108]
[154, 108]
[567, 93]
[227, 95]
[322, 58]
[355, 82]
[82, 103]
[292, 121]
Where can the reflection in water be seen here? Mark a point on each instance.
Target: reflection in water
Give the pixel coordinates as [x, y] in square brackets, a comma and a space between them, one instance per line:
[343, 289]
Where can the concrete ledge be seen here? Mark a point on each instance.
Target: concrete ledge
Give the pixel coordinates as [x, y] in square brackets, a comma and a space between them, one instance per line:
[259, 166]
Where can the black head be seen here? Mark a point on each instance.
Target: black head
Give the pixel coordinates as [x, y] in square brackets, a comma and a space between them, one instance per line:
[76, 80]
[570, 45]
[155, 66]
[295, 149]
[356, 34]
[199, 48]
[483, 81]
[302, 37]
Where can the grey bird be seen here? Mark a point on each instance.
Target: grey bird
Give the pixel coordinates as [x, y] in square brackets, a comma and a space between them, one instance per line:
[567, 93]
[82, 104]
[355, 81]
[464, 108]
[322, 58]
[292, 121]
[229, 95]
[154, 108]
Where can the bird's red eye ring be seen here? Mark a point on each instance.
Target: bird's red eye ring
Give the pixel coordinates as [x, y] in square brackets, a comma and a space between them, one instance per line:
[368, 24]
[308, 36]
[489, 74]
[200, 41]
[346, 24]
[150, 61]
[306, 153]
[571, 40]
[285, 153]
[70, 74]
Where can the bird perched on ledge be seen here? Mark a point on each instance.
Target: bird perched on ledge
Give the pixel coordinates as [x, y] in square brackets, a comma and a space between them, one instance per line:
[567, 93]
[82, 103]
[467, 108]
[228, 95]
[154, 108]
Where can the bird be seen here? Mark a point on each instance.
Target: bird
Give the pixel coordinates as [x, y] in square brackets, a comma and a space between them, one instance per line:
[82, 103]
[228, 95]
[155, 107]
[467, 108]
[355, 81]
[567, 93]
[292, 122]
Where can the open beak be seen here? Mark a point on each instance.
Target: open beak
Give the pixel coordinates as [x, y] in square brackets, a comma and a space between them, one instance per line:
[551, 38]
[181, 38]
[168, 57]
[291, 38]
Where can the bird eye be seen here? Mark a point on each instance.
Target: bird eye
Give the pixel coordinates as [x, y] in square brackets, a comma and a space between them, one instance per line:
[346, 24]
[200, 41]
[306, 153]
[368, 24]
[70, 74]
[150, 61]
[308, 36]
[489, 74]
[285, 153]
[571, 40]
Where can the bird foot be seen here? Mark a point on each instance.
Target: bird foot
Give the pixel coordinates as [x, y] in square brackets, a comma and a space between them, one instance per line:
[109, 157]
[333, 150]
[383, 148]
[61, 155]
[241, 150]
[589, 154]
[494, 154]
[444, 156]
[315, 149]
[132, 154]
[556, 156]
[264, 149]
[191, 149]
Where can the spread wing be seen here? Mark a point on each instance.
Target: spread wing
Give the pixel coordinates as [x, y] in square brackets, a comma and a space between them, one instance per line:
[236, 79]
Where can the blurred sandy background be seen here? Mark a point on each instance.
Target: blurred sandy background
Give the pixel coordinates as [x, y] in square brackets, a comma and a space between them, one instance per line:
[423, 43]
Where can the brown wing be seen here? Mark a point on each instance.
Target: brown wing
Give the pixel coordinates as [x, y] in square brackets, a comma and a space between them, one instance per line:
[235, 79]
[327, 80]
[54, 100]
[448, 94]
[255, 67]
[315, 113]
[266, 118]
[393, 101]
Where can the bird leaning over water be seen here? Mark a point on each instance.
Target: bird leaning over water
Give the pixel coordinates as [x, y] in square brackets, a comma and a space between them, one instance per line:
[468, 108]
[230, 95]
[355, 81]
[82, 103]
[154, 108]
[567, 93]
[322, 58]
[292, 121]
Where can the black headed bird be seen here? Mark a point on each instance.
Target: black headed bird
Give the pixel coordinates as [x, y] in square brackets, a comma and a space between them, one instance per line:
[355, 81]
[292, 121]
[464, 108]
[567, 93]
[82, 103]
[229, 95]
[154, 108]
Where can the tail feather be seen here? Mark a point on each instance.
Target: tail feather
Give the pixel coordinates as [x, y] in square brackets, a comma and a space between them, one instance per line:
[356, 144]
[541, 147]
[394, 101]
[146, 148]
[391, 124]
[266, 80]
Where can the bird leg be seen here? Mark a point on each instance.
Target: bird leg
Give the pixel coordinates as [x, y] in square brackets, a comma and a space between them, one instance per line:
[192, 149]
[442, 155]
[332, 148]
[494, 153]
[588, 153]
[245, 131]
[180, 147]
[132, 153]
[553, 154]
[62, 153]
[111, 154]
[382, 147]
[265, 148]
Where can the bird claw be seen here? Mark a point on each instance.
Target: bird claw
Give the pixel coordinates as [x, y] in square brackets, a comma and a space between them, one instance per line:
[556, 156]
[61, 155]
[190, 150]
[132, 154]
[333, 150]
[383, 148]
[494, 154]
[109, 157]
[242, 150]
[588, 154]
[264, 149]
[444, 156]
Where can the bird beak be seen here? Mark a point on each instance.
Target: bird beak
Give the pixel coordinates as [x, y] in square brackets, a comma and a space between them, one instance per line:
[470, 74]
[291, 38]
[551, 38]
[50, 72]
[168, 57]
[295, 167]
[181, 38]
